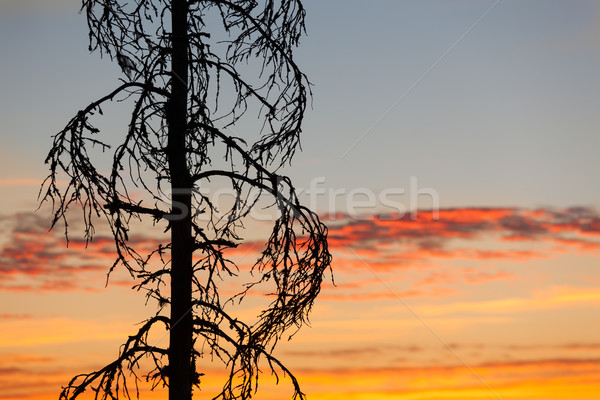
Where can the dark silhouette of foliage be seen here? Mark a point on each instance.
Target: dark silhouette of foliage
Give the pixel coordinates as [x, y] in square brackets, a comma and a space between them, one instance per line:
[192, 70]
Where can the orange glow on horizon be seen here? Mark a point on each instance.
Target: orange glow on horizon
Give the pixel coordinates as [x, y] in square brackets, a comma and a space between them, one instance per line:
[490, 282]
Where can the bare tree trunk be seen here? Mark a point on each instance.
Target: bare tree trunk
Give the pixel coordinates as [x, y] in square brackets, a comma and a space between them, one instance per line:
[180, 348]
[172, 102]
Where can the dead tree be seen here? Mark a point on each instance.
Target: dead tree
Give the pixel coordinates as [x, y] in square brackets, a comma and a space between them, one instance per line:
[193, 69]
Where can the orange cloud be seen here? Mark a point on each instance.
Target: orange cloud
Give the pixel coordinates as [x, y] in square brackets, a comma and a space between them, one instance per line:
[388, 242]
[33, 258]
[463, 223]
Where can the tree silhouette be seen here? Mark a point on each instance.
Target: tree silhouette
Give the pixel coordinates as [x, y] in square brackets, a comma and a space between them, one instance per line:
[192, 70]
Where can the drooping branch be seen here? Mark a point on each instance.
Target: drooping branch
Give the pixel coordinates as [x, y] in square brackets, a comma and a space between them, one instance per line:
[213, 89]
[244, 362]
[112, 380]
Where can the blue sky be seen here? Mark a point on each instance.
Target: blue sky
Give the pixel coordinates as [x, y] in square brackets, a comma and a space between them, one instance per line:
[507, 117]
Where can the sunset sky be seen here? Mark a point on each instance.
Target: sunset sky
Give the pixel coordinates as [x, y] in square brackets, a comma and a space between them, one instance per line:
[452, 150]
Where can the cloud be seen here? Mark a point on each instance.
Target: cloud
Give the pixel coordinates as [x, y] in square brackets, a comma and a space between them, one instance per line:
[468, 275]
[15, 316]
[353, 352]
[369, 296]
[460, 238]
[382, 352]
[387, 241]
[11, 370]
[463, 223]
[32, 258]
[30, 383]
[560, 363]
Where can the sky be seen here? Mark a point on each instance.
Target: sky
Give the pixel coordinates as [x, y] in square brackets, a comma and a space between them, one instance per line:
[452, 150]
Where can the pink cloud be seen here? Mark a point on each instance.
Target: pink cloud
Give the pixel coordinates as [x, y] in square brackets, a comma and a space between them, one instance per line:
[33, 258]
[403, 240]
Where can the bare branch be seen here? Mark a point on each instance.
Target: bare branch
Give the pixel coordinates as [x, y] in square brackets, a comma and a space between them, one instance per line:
[186, 86]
